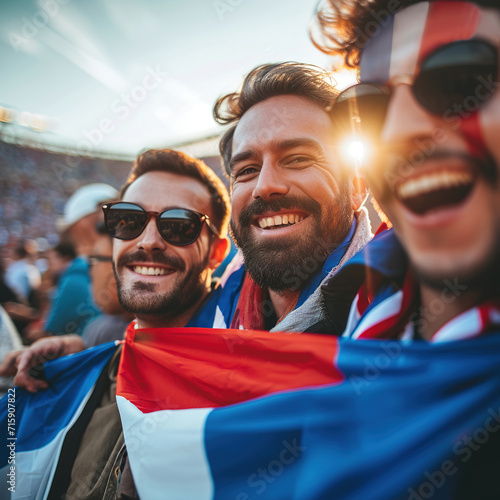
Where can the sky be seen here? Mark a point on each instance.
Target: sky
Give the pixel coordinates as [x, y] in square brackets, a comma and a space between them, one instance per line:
[123, 75]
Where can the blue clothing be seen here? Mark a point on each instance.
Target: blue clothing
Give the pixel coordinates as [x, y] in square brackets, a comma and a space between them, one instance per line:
[72, 307]
[227, 298]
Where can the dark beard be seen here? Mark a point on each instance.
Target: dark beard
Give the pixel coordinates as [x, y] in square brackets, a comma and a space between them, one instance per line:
[186, 291]
[289, 263]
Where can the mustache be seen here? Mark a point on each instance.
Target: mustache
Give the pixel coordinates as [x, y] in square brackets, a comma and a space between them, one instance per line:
[155, 258]
[486, 167]
[260, 206]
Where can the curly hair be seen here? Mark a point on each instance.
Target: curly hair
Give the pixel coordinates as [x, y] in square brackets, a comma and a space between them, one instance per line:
[345, 26]
[271, 80]
[175, 162]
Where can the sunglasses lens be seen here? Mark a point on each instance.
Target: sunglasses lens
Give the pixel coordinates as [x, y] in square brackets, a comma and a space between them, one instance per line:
[179, 227]
[360, 109]
[457, 78]
[125, 221]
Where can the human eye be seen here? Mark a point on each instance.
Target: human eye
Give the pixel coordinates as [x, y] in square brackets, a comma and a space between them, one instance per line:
[301, 161]
[245, 172]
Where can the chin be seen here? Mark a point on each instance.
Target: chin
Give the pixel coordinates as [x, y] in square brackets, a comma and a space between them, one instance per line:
[465, 275]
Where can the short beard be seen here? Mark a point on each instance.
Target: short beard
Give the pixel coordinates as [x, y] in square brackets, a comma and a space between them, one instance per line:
[141, 298]
[289, 263]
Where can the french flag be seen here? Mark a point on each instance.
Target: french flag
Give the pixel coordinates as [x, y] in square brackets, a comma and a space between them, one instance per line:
[240, 415]
[39, 427]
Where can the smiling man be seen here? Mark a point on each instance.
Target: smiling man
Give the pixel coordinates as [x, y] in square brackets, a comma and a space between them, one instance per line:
[296, 213]
[429, 97]
[167, 246]
[170, 233]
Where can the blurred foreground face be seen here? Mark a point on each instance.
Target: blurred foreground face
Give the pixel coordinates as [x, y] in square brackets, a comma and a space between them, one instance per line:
[436, 176]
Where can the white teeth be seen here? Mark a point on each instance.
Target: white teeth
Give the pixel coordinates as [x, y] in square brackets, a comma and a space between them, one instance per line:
[433, 182]
[278, 220]
[149, 271]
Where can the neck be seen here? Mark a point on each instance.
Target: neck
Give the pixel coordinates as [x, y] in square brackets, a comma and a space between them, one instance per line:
[438, 306]
[283, 302]
[167, 320]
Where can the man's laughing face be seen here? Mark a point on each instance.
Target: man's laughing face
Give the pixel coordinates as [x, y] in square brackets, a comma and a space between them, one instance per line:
[436, 174]
[290, 198]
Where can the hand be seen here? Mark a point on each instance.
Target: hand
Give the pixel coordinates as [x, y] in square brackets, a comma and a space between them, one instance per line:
[41, 351]
[8, 367]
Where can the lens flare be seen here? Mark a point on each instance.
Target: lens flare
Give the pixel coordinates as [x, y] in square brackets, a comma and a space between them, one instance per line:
[355, 151]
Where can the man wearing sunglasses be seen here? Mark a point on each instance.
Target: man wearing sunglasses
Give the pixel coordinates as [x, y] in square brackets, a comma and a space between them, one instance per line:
[170, 233]
[429, 103]
[296, 212]
[170, 230]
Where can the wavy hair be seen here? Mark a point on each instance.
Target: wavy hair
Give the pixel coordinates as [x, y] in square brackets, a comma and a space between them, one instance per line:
[345, 26]
[271, 80]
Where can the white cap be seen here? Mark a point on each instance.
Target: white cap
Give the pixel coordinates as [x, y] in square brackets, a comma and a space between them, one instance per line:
[85, 200]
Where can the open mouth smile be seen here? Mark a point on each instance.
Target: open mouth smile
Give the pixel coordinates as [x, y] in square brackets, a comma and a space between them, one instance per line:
[151, 270]
[436, 189]
[281, 220]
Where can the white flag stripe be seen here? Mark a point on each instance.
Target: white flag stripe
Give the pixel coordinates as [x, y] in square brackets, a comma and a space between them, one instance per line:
[391, 306]
[409, 26]
[167, 447]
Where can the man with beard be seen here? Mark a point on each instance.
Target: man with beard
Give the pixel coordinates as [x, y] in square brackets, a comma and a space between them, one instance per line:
[170, 228]
[167, 245]
[297, 215]
[431, 102]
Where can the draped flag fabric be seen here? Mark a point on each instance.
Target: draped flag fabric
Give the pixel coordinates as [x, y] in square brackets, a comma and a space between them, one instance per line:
[240, 415]
[37, 426]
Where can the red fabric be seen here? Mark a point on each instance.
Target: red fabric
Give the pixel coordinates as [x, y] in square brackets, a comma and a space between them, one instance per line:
[448, 21]
[249, 312]
[176, 368]
[392, 326]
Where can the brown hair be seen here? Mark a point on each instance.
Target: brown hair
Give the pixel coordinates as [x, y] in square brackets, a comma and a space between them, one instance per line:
[345, 26]
[271, 80]
[175, 162]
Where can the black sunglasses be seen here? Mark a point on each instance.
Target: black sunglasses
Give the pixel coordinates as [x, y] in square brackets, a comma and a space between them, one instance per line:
[454, 80]
[177, 226]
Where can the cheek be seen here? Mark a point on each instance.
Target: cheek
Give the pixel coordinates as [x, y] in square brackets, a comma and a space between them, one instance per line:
[489, 119]
[238, 196]
[481, 129]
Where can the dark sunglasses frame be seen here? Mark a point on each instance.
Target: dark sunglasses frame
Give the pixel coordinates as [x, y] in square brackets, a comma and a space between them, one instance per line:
[201, 218]
[432, 99]
[94, 259]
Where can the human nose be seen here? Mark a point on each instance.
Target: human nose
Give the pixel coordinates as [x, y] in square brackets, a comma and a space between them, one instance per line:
[150, 239]
[271, 182]
[406, 120]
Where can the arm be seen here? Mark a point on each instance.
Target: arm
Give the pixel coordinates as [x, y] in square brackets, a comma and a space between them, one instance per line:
[41, 351]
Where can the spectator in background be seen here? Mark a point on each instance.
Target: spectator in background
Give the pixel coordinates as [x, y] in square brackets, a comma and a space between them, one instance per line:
[72, 307]
[9, 341]
[32, 318]
[22, 276]
[113, 321]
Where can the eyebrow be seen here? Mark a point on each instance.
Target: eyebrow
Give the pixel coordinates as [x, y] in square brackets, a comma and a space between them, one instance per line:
[281, 145]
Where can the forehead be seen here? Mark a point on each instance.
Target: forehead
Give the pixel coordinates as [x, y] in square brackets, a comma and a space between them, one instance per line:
[278, 119]
[409, 36]
[156, 191]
